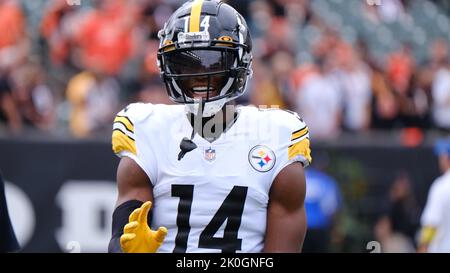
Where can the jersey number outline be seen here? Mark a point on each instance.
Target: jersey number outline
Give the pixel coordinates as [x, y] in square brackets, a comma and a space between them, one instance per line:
[231, 209]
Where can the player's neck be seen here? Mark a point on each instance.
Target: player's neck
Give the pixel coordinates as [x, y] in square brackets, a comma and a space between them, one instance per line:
[211, 128]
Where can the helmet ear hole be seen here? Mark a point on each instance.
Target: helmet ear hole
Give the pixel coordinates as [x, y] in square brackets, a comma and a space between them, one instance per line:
[241, 83]
[241, 79]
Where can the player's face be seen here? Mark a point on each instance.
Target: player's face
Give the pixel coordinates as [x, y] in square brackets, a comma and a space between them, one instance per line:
[199, 62]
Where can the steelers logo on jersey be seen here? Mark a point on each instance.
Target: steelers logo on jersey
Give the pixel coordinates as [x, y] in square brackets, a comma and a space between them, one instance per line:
[261, 158]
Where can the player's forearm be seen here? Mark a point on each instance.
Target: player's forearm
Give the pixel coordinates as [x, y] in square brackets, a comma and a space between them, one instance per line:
[120, 219]
[287, 234]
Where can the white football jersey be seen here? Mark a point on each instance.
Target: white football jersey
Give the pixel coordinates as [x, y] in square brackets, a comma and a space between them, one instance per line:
[215, 198]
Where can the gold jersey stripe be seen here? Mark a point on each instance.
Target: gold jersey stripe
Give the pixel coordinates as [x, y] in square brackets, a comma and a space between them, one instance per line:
[126, 122]
[122, 142]
[125, 133]
[196, 11]
[298, 134]
[300, 148]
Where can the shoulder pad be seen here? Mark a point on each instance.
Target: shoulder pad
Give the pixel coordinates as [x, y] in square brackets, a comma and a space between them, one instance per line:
[286, 119]
[294, 128]
[137, 112]
[123, 136]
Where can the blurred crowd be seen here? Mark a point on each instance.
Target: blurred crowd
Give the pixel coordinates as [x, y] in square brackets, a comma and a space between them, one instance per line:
[80, 64]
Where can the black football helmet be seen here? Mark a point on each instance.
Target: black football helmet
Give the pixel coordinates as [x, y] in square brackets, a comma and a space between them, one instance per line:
[205, 55]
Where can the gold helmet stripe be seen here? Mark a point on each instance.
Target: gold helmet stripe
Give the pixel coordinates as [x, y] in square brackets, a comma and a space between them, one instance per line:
[196, 11]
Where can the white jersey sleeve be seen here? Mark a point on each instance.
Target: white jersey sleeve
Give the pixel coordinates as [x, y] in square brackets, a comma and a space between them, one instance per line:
[128, 139]
[433, 212]
[293, 140]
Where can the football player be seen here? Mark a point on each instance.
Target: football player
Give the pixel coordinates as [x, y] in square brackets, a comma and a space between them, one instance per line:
[237, 183]
[435, 220]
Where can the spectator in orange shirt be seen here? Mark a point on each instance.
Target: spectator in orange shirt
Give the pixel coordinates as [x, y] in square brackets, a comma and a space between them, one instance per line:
[12, 23]
[13, 50]
[106, 37]
[54, 29]
[13, 45]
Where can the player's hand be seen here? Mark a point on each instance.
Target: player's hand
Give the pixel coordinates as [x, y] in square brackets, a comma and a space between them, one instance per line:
[137, 236]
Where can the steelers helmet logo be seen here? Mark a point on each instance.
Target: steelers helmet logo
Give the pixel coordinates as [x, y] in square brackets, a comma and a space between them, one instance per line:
[261, 158]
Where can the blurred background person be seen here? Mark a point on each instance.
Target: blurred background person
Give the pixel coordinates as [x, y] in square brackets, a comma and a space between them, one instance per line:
[105, 37]
[354, 80]
[14, 48]
[441, 97]
[9, 111]
[391, 241]
[93, 97]
[34, 98]
[404, 212]
[396, 228]
[319, 102]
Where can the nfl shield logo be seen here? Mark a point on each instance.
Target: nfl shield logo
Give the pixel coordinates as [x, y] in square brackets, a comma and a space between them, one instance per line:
[210, 154]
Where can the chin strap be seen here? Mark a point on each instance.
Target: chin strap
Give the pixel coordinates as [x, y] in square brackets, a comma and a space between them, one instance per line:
[186, 144]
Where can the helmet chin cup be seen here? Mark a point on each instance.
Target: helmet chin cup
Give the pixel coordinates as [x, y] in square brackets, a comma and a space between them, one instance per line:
[210, 108]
